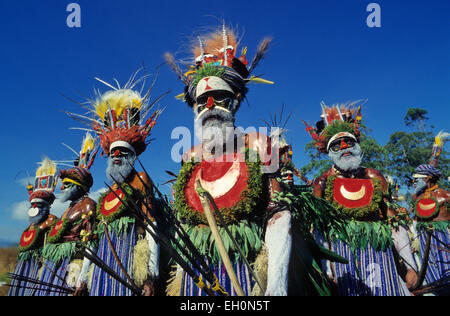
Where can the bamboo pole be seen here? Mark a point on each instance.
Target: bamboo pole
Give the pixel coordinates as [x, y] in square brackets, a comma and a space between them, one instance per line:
[218, 239]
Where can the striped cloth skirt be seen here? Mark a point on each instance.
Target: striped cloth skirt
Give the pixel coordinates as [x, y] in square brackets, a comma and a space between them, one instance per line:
[102, 283]
[374, 273]
[53, 274]
[189, 288]
[439, 260]
[28, 268]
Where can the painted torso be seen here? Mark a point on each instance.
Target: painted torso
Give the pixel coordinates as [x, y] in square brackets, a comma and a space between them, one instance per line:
[432, 206]
[76, 219]
[226, 177]
[351, 192]
[33, 237]
[110, 203]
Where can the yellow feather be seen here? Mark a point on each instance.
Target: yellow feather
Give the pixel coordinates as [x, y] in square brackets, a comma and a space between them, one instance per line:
[259, 80]
[88, 144]
[117, 100]
[47, 167]
[180, 96]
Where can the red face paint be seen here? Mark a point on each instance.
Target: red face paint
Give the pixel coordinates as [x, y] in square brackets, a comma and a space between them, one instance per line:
[210, 102]
[344, 144]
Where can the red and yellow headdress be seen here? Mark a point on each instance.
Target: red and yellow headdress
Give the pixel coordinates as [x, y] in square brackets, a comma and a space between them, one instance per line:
[120, 117]
[337, 121]
[45, 183]
[217, 66]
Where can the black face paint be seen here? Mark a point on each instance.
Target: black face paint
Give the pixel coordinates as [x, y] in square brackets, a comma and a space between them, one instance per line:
[342, 143]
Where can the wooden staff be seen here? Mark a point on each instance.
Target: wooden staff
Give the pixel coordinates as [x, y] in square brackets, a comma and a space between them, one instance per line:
[218, 239]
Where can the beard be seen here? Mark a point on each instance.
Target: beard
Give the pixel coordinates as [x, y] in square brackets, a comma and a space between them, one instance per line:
[348, 159]
[420, 186]
[215, 128]
[119, 169]
[71, 194]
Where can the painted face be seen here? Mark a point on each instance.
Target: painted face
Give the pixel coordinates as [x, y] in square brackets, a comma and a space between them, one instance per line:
[214, 117]
[120, 164]
[38, 212]
[420, 185]
[70, 192]
[345, 153]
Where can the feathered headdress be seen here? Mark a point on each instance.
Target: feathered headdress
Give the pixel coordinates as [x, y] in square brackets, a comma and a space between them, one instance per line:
[45, 182]
[215, 57]
[439, 141]
[120, 116]
[337, 121]
[430, 168]
[80, 175]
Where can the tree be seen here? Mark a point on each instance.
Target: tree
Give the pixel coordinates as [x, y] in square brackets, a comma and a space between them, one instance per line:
[407, 150]
[416, 117]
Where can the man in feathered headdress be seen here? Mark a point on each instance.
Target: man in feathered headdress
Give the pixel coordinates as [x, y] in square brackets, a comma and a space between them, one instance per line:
[63, 265]
[123, 243]
[222, 164]
[433, 217]
[33, 238]
[358, 194]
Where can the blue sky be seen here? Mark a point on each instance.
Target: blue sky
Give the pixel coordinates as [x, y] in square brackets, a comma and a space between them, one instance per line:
[322, 50]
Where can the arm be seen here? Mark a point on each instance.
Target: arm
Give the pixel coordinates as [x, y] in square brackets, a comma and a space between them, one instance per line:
[402, 245]
[279, 244]
[81, 285]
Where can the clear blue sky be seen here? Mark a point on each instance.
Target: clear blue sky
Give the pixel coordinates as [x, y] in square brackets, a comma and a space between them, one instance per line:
[322, 50]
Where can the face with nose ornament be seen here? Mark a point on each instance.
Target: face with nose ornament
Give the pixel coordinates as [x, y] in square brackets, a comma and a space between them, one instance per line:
[38, 212]
[345, 153]
[120, 164]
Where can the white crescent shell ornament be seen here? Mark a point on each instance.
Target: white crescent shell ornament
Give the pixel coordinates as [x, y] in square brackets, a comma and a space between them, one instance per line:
[224, 184]
[353, 196]
[111, 204]
[426, 207]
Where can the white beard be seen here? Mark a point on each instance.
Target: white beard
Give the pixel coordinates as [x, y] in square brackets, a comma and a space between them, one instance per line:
[121, 172]
[214, 133]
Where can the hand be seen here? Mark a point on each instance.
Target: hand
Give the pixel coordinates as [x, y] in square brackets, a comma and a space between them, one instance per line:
[81, 290]
[411, 278]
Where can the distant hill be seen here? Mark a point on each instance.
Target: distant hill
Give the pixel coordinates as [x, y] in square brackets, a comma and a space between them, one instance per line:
[7, 244]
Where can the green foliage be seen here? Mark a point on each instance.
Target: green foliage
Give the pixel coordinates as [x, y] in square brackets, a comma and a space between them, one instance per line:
[416, 117]
[58, 252]
[208, 70]
[338, 127]
[441, 226]
[247, 234]
[119, 226]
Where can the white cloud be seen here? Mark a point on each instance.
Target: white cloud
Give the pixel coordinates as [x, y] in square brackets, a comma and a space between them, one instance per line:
[20, 209]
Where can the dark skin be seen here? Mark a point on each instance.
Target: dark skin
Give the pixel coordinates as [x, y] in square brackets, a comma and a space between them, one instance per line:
[73, 214]
[364, 173]
[441, 195]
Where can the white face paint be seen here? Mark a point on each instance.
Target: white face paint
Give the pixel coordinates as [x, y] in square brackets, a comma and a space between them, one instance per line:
[212, 83]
